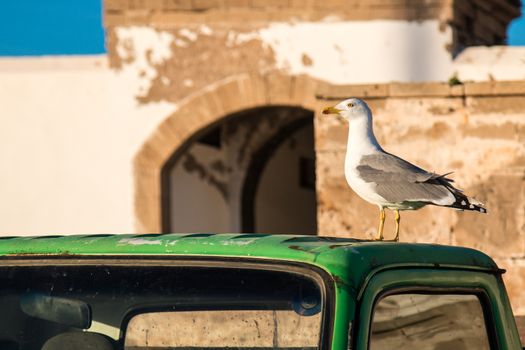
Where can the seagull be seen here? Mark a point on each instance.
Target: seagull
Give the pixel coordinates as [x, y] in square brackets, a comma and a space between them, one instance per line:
[389, 181]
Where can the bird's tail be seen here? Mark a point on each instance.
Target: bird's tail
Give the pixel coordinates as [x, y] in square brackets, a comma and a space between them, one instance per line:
[463, 202]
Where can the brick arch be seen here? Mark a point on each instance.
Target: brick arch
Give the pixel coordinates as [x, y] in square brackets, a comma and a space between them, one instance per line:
[195, 113]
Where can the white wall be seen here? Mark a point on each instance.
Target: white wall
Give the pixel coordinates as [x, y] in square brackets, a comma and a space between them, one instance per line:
[359, 51]
[484, 63]
[70, 128]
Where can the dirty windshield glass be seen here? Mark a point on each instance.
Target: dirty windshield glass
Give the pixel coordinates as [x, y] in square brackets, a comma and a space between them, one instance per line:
[155, 307]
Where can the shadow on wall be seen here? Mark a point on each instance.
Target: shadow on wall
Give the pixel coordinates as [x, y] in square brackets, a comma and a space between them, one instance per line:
[253, 171]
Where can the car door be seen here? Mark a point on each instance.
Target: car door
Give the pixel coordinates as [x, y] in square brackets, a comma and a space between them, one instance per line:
[435, 309]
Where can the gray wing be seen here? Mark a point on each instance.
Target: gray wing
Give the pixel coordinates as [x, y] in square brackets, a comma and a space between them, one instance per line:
[400, 181]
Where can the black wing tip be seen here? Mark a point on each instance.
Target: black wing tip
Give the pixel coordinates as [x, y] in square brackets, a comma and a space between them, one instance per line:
[476, 208]
[465, 203]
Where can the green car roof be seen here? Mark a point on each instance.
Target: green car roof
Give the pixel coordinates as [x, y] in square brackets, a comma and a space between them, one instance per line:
[349, 261]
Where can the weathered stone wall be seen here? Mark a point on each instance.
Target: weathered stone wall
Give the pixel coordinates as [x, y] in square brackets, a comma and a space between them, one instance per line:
[168, 12]
[476, 130]
[474, 22]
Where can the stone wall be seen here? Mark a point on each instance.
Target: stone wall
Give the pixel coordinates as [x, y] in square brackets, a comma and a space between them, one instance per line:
[166, 12]
[474, 22]
[476, 130]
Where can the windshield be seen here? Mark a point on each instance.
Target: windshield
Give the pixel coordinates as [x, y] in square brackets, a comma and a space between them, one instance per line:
[157, 307]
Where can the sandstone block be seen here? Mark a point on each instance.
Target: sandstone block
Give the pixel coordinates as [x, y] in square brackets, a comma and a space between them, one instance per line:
[279, 88]
[115, 5]
[500, 233]
[254, 88]
[303, 90]
[237, 3]
[512, 104]
[113, 19]
[457, 90]
[492, 88]
[177, 4]
[419, 89]
[230, 96]
[332, 4]
[341, 92]
[269, 3]
[205, 4]
[301, 4]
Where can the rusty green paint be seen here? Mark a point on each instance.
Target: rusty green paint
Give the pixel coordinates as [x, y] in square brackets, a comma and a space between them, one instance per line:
[350, 262]
[349, 259]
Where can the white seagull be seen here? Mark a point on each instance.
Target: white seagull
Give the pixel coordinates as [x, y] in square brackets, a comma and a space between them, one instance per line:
[386, 180]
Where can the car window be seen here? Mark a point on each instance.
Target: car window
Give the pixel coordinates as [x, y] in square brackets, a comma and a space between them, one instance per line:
[238, 329]
[429, 322]
[157, 307]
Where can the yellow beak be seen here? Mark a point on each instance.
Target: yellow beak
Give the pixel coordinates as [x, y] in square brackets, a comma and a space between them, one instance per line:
[331, 110]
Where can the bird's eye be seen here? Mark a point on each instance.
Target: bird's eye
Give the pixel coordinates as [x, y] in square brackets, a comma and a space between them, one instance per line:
[350, 105]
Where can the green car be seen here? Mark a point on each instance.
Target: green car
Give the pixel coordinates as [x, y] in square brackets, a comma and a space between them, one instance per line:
[248, 291]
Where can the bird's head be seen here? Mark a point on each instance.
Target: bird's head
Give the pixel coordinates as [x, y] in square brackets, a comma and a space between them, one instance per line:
[350, 109]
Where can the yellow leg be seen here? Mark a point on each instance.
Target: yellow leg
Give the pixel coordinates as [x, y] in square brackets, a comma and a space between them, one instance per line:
[398, 219]
[379, 236]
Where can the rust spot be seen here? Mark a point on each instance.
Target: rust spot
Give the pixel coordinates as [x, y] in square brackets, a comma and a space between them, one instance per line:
[333, 246]
[342, 283]
[296, 247]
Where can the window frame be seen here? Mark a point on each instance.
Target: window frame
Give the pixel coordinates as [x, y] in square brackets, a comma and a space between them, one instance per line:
[495, 304]
[316, 274]
[480, 294]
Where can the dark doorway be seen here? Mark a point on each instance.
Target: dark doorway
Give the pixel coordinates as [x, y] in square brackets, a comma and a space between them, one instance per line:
[253, 171]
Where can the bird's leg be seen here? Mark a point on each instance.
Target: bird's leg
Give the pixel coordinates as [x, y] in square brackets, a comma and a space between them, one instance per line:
[398, 219]
[379, 236]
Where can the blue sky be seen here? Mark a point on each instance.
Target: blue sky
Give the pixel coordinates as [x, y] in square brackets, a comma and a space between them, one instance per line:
[66, 27]
[516, 30]
[51, 27]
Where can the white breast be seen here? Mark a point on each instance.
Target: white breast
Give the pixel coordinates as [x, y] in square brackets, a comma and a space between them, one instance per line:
[365, 190]
[361, 141]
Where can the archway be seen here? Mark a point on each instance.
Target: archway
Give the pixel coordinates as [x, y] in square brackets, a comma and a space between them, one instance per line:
[198, 112]
[253, 171]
